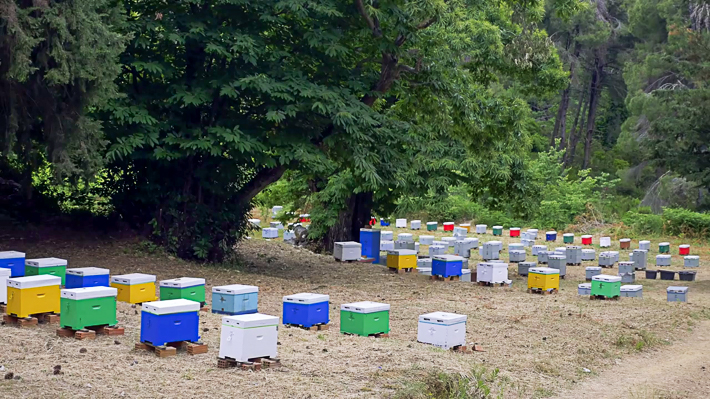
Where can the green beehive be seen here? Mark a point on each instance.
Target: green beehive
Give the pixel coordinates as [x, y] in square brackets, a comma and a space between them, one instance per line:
[432, 226]
[365, 318]
[183, 288]
[88, 307]
[605, 285]
[664, 248]
[568, 238]
[53, 266]
[497, 230]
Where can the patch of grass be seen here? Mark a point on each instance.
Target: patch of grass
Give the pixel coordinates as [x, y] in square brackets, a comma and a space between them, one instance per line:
[479, 383]
[542, 393]
[639, 341]
[321, 337]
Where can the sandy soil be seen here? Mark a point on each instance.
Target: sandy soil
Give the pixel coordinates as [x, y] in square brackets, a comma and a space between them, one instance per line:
[541, 344]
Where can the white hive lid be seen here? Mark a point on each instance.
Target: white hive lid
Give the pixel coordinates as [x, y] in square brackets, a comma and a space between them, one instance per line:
[88, 293]
[676, 289]
[416, 221]
[235, 289]
[4, 271]
[540, 246]
[495, 265]
[684, 246]
[665, 256]
[471, 239]
[432, 222]
[448, 258]
[87, 271]
[401, 252]
[664, 243]
[171, 306]
[606, 278]
[641, 250]
[465, 271]
[573, 247]
[425, 237]
[613, 252]
[269, 228]
[133, 279]
[250, 320]
[447, 223]
[568, 234]
[495, 242]
[365, 307]
[182, 282]
[515, 228]
[441, 243]
[558, 257]
[465, 224]
[543, 270]
[631, 288]
[497, 227]
[551, 232]
[46, 262]
[386, 232]
[529, 264]
[587, 251]
[11, 255]
[307, 298]
[644, 242]
[691, 257]
[424, 269]
[348, 244]
[481, 225]
[43, 280]
[587, 236]
[625, 240]
[593, 268]
[585, 285]
[399, 220]
[447, 239]
[404, 235]
[255, 220]
[438, 246]
[443, 318]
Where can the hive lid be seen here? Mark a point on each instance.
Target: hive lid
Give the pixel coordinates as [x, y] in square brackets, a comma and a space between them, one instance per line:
[568, 235]
[690, 257]
[481, 225]
[182, 282]
[465, 225]
[405, 235]
[495, 265]
[235, 289]
[133, 279]
[684, 246]
[443, 318]
[664, 244]
[448, 223]
[401, 252]
[11, 255]
[573, 247]
[497, 227]
[515, 245]
[349, 244]
[46, 262]
[515, 228]
[88, 271]
[641, 250]
[588, 251]
[250, 320]
[540, 246]
[587, 236]
[593, 268]
[43, 280]
[444, 243]
[631, 288]
[626, 263]
[557, 257]
[401, 220]
[606, 278]
[171, 306]
[365, 307]
[625, 240]
[447, 239]
[543, 270]
[551, 232]
[585, 286]
[495, 242]
[529, 264]
[644, 242]
[425, 237]
[448, 258]
[416, 221]
[465, 271]
[432, 222]
[677, 290]
[306, 298]
[88, 293]
[4, 271]
[666, 256]
[386, 232]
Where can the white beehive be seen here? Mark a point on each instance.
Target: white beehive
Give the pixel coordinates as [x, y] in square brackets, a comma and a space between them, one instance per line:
[489, 250]
[463, 248]
[498, 245]
[437, 250]
[614, 254]
[517, 255]
[416, 224]
[626, 267]
[592, 271]
[444, 330]
[481, 228]
[645, 245]
[440, 243]
[4, 275]
[639, 258]
[289, 235]
[387, 245]
[589, 254]
[515, 247]
[606, 259]
[426, 271]
[270, 232]
[537, 248]
[492, 272]
[632, 291]
[573, 253]
[663, 260]
[584, 289]
[533, 233]
[449, 241]
[387, 235]
[347, 250]
[605, 242]
[404, 245]
[691, 261]
[255, 222]
[423, 262]
[405, 237]
[460, 232]
[466, 274]
[400, 223]
[426, 240]
[275, 210]
[473, 242]
[276, 225]
[527, 242]
[248, 336]
[544, 256]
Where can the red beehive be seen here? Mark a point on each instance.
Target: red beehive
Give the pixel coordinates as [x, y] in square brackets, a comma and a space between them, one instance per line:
[515, 231]
[449, 226]
[586, 240]
[684, 249]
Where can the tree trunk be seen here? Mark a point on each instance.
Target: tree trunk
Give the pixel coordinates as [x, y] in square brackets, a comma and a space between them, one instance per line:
[560, 129]
[574, 134]
[356, 216]
[595, 89]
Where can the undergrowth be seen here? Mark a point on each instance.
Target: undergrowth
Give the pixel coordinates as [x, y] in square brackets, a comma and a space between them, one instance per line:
[479, 383]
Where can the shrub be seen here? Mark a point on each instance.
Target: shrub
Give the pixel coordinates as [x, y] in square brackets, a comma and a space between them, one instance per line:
[477, 384]
[687, 223]
[642, 223]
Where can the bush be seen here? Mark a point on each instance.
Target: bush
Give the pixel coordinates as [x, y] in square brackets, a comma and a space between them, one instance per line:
[687, 223]
[643, 223]
[478, 384]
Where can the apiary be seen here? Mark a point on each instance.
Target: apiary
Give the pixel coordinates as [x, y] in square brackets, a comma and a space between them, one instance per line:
[348, 250]
[691, 261]
[81, 277]
[306, 309]
[365, 318]
[677, 294]
[443, 330]
[134, 287]
[30, 295]
[663, 260]
[52, 266]
[492, 272]
[588, 254]
[592, 271]
[190, 288]
[631, 291]
[88, 307]
[14, 261]
[235, 299]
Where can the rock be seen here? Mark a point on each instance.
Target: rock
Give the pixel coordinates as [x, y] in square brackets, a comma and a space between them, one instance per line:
[57, 370]
[8, 376]
[586, 370]
[325, 350]
[116, 342]
[82, 350]
[205, 329]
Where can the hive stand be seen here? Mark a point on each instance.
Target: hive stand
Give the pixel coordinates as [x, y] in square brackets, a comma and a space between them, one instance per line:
[193, 348]
[315, 327]
[255, 364]
[31, 320]
[90, 332]
[489, 284]
[602, 297]
[541, 291]
[400, 271]
[376, 335]
[440, 278]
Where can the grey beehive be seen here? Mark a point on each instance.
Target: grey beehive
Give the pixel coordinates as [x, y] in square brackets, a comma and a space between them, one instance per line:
[537, 248]
[544, 256]
[627, 277]
[677, 294]
[573, 253]
[632, 291]
[691, 261]
[558, 262]
[640, 257]
[663, 260]
[401, 244]
[591, 272]
[523, 267]
[588, 254]
[517, 255]
[626, 267]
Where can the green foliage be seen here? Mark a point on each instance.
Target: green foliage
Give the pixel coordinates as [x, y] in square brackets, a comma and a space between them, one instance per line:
[673, 221]
[643, 223]
[477, 384]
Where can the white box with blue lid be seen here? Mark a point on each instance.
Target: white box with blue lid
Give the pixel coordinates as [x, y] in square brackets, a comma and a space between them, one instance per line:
[441, 329]
[235, 299]
[14, 261]
[248, 336]
[175, 320]
[306, 309]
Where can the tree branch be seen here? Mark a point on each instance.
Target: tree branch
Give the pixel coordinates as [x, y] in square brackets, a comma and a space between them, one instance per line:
[427, 23]
[373, 24]
[407, 68]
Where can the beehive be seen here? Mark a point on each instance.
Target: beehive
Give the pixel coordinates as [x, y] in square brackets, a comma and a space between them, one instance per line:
[527, 243]
[573, 253]
[431, 226]
[32, 295]
[684, 249]
[463, 248]
[517, 255]
[544, 278]
[606, 285]
[437, 250]
[370, 244]
[249, 336]
[460, 232]
[306, 309]
[605, 242]
[423, 262]
[5, 274]
[135, 287]
[289, 235]
[386, 245]
[424, 271]
[365, 318]
[481, 228]
[663, 260]
[592, 271]
[498, 231]
[466, 275]
[347, 250]
[88, 307]
[606, 259]
[588, 254]
[515, 247]
[515, 231]
[568, 238]
[81, 277]
[631, 291]
[175, 320]
[537, 248]
[235, 299]
[446, 265]
[426, 240]
[524, 267]
[492, 272]
[626, 267]
[276, 209]
[405, 237]
[584, 289]
[615, 255]
[664, 248]
[449, 241]
[404, 245]
[255, 222]
[183, 288]
[498, 244]
[52, 266]
[544, 256]
[533, 233]
[489, 250]
[558, 262]
[627, 277]
[276, 225]
[586, 240]
[551, 236]
[640, 258]
[677, 294]
[625, 243]
[416, 224]
[400, 223]
[402, 259]
[270, 232]
[443, 330]
[466, 226]
[691, 261]
[645, 244]
[304, 218]
[14, 261]
[448, 226]
[386, 235]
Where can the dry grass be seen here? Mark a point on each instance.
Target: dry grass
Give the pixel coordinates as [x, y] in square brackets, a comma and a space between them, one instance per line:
[539, 343]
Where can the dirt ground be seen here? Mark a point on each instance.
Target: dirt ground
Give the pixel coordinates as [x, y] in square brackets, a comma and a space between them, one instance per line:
[544, 346]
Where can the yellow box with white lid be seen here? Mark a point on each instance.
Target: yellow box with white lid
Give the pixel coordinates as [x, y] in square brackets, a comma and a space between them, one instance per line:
[402, 259]
[33, 295]
[135, 287]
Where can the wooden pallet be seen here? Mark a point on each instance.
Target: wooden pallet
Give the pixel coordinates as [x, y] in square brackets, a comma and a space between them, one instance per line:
[3, 308]
[574, 264]
[193, 348]
[255, 364]
[377, 335]
[603, 298]
[487, 284]
[31, 320]
[316, 327]
[440, 278]
[90, 332]
[400, 271]
[541, 291]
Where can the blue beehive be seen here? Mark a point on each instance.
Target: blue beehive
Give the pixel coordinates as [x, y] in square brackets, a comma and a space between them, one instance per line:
[446, 265]
[370, 241]
[235, 299]
[551, 236]
[15, 261]
[175, 320]
[306, 309]
[384, 223]
[82, 277]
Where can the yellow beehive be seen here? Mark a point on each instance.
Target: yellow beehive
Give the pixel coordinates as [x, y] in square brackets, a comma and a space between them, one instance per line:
[402, 259]
[135, 288]
[544, 278]
[466, 226]
[33, 294]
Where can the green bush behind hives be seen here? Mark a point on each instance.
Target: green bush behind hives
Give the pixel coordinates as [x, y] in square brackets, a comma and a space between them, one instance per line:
[673, 221]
